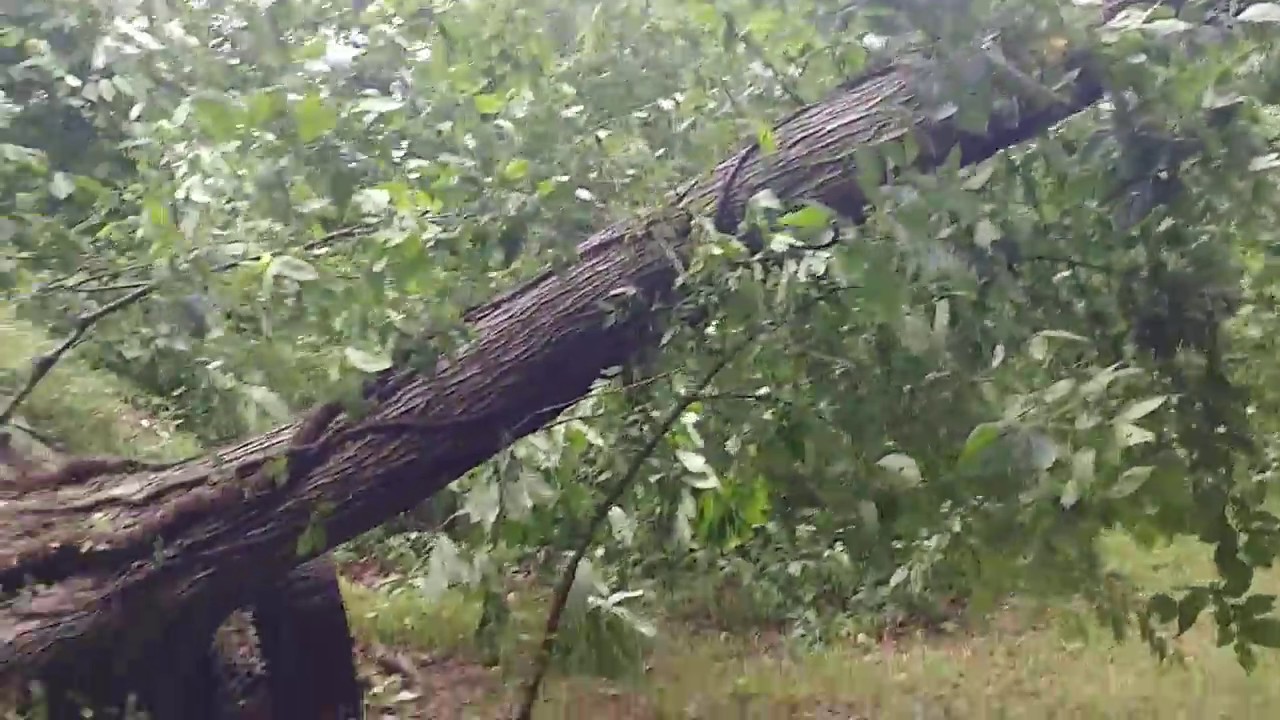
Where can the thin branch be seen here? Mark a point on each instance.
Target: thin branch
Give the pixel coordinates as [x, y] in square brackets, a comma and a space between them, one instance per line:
[783, 81]
[542, 662]
[120, 287]
[67, 284]
[746, 397]
[1070, 262]
[42, 364]
[44, 439]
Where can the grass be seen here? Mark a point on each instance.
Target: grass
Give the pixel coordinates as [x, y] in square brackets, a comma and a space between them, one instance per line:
[403, 619]
[87, 411]
[1024, 663]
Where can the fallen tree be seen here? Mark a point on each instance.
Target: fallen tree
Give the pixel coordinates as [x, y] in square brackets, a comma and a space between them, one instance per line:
[88, 558]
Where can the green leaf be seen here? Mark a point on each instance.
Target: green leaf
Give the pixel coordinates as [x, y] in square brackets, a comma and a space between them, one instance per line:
[1038, 347]
[1246, 657]
[693, 462]
[1166, 26]
[899, 576]
[366, 361]
[1070, 494]
[942, 317]
[489, 104]
[1130, 481]
[1262, 631]
[1162, 607]
[1059, 390]
[268, 400]
[1103, 378]
[483, 502]
[985, 233]
[61, 186]
[377, 105]
[1128, 435]
[701, 475]
[292, 268]
[622, 525]
[1190, 607]
[702, 482]
[980, 438]
[811, 216]
[373, 200]
[314, 118]
[979, 176]
[1261, 163]
[1083, 465]
[869, 514]
[1042, 450]
[1261, 13]
[766, 140]
[904, 466]
[1257, 605]
[516, 169]
[1141, 408]
[1236, 572]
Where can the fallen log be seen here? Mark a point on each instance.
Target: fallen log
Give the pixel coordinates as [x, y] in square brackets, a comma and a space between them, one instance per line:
[96, 575]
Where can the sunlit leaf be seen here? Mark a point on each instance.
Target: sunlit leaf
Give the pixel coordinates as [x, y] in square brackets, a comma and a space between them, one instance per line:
[489, 104]
[61, 186]
[1261, 13]
[904, 466]
[1141, 408]
[315, 119]
[365, 361]
[1130, 481]
[293, 268]
[980, 438]
[809, 217]
[377, 105]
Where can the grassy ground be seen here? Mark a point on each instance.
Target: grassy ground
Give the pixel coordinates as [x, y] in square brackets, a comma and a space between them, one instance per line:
[422, 664]
[88, 412]
[1021, 665]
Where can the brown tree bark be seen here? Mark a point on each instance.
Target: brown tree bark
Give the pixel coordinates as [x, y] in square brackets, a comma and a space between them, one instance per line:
[98, 575]
[292, 652]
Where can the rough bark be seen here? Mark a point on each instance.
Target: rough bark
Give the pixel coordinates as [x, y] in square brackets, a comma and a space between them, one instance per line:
[124, 564]
[307, 645]
[293, 650]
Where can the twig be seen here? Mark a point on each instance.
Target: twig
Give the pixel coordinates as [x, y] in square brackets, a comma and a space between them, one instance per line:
[783, 82]
[110, 288]
[46, 440]
[726, 220]
[542, 662]
[397, 663]
[1070, 262]
[42, 364]
[67, 284]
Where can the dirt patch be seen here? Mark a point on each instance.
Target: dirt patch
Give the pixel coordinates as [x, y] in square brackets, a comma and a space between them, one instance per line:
[417, 685]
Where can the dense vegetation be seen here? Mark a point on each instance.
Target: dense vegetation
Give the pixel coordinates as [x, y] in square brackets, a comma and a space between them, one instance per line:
[238, 209]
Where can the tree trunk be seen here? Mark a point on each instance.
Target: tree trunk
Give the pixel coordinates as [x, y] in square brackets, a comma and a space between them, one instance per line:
[123, 564]
[292, 653]
[307, 646]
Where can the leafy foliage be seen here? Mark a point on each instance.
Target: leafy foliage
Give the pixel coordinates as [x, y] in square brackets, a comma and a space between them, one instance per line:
[954, 399]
